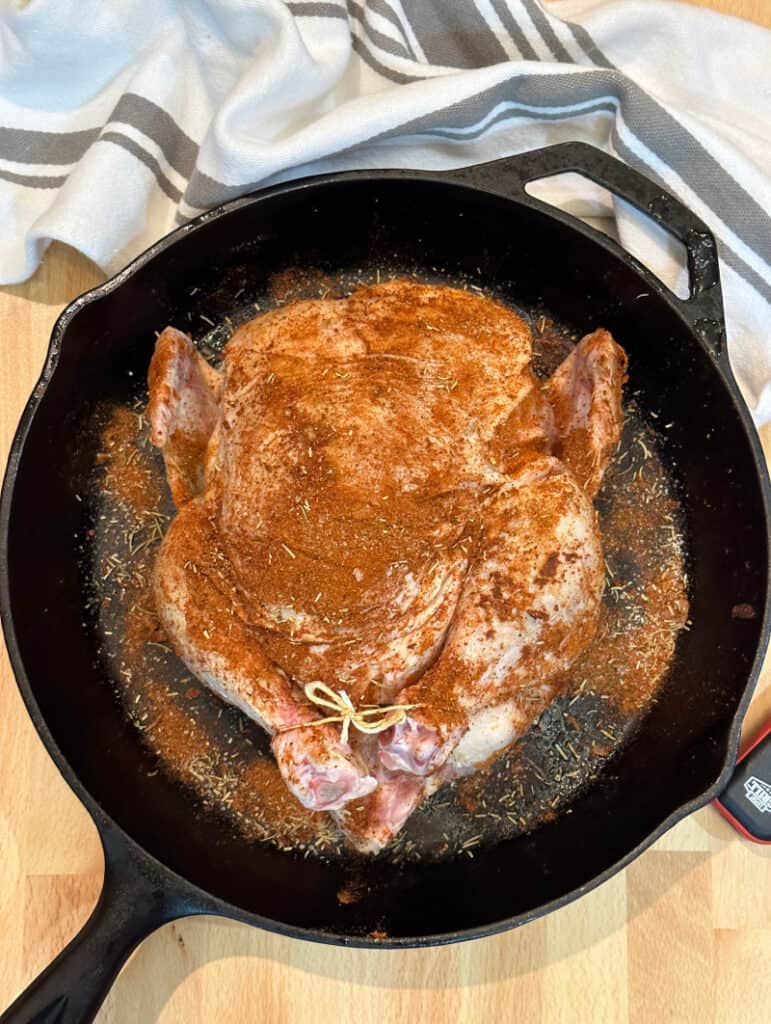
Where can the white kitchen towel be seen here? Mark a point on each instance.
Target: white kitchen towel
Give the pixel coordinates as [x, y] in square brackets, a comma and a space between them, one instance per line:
[120, 119]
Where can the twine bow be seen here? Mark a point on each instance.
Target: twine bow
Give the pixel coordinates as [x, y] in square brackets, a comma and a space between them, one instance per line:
[369, 718]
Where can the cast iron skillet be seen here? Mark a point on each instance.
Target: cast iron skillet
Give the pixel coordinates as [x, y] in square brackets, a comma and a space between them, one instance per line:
[160, 863]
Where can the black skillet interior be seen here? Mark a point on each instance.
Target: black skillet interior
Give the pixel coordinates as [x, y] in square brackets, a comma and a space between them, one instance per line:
[520, 249]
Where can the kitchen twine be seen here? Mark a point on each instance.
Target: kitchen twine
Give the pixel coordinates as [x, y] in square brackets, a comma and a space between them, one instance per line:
[369, 718]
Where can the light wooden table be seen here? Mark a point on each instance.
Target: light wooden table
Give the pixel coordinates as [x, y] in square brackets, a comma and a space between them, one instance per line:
[753, 10]
[682, 935]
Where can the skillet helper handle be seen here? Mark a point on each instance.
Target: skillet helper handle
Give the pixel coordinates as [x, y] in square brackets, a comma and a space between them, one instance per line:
[72, 988]
[704, 306]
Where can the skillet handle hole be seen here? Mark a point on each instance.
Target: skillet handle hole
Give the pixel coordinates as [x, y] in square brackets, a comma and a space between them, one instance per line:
[656, 248]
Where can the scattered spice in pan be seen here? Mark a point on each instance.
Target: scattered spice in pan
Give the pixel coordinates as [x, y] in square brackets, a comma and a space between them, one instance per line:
[224, 759]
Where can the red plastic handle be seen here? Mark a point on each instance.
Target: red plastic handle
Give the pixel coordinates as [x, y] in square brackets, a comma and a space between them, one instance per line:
[724, 810]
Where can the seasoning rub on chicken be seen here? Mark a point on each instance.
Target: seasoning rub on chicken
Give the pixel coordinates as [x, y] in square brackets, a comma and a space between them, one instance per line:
[376, 494]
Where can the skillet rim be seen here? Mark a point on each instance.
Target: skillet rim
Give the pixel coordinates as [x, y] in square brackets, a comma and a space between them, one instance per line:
[191, 898]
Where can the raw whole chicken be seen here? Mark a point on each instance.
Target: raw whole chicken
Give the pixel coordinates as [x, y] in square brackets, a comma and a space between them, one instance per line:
[377, 494]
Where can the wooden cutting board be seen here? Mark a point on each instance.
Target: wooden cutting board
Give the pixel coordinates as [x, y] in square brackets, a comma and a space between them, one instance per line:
[682, 935]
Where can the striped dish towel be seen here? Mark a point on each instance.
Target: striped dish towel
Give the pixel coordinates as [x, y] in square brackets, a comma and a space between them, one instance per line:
[120, 119]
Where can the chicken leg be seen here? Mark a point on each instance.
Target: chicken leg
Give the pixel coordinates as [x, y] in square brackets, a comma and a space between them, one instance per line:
[527, 610]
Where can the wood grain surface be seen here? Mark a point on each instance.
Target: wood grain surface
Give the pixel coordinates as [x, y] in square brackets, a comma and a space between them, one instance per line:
[753, 10]
[682, 935]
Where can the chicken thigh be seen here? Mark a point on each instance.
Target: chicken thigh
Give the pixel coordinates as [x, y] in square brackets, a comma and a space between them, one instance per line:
[377, 494]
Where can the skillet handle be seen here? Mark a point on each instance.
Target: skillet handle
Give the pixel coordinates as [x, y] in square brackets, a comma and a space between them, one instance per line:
[704, 307]
[131, 905]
